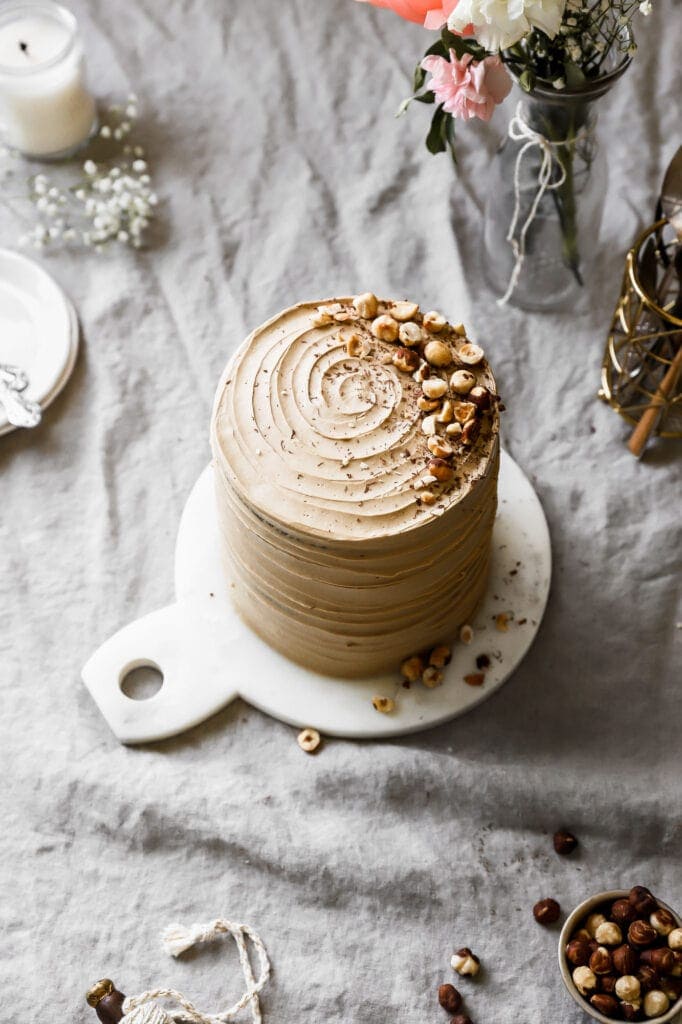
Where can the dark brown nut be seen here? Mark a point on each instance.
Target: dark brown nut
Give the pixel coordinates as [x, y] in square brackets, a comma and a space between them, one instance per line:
[606, 1004]
[600, 961]
[661, 959]
[461, 1018]
[449, 998]
[546, 911]
[640, 933]
[405, 359]
[607, 983]
[648, 977]
[642, 900]
[577, 952]
[480, 396]
[663, 921]
[677, 969]
[623, 912]
[625, 959]
[564, 842]
[672, 988]
[631, 1011]
[582, 933]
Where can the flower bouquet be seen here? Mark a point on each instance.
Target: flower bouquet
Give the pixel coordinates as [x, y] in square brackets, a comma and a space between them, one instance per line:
[548, 192]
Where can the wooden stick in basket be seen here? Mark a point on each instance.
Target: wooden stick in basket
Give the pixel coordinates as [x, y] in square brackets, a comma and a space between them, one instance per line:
[640, 435]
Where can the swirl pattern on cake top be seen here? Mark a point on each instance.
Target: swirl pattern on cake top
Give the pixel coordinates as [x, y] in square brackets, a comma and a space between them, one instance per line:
[355, 445]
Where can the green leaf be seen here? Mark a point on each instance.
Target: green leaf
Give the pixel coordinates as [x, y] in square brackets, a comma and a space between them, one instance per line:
[574, 75]
[527, 80]
[418, 78]
[439, 49]
[424, 97]
[436, 141]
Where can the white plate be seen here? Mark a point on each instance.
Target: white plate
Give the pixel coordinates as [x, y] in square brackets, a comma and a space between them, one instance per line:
[208, 657]
[38, 329]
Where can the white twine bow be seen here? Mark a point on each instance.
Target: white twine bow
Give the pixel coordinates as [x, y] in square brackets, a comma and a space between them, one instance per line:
[142, 1008]
[520, 130]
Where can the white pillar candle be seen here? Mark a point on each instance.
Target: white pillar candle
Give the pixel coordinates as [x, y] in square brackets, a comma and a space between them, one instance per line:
[45, 107]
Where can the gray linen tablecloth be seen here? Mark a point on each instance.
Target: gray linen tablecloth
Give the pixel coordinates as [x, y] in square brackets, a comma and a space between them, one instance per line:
[284, 175]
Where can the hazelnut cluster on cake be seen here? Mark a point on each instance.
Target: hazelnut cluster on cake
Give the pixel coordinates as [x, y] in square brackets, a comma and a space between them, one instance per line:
[356, 453]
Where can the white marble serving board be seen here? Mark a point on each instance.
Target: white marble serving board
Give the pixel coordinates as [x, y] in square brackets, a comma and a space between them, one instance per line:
[208, 657]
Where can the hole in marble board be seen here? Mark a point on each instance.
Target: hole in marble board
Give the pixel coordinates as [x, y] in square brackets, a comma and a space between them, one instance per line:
[142, 682]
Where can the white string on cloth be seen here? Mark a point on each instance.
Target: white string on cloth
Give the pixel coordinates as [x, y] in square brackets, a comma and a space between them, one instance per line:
[520, 131]
[143, 1009]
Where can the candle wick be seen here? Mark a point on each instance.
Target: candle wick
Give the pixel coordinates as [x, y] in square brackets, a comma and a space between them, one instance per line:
[24, 48]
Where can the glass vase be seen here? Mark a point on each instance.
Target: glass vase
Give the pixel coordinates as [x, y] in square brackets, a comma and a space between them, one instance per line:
[546, 197]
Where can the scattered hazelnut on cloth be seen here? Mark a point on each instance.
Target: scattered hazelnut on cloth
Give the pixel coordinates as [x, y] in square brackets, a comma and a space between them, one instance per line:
[465, 962]
[309, 740]
[546, 911]
[564, 842]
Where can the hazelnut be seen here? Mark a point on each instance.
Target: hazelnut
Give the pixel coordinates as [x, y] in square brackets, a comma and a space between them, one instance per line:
[383, 704]
[385, 328]
[438, 447]
[466, 634]
[607, 983]
[663, 921]
[366, 305]
[623, 912]
[631, 1011]
[465, 962]
[584, 980]
[404, 311]
[470, 354]
[661, 959]
[434, 387]
[480, 396]
[460, 329]
[475, 679]
[425, 404]
[434, 322]
[672, 988]
[470, 431]
[608, 934]
[428, 497]
[412, 668]
[447, 412]
[642, 900]
[641, 933]
[422, 373]
[628, 988]
[461, 1018]
[463, 411]
[440, 656]
[437, 353]
[356, 345]
[593, 922]
[648, 977]
[577, 952]
[453, 429]
[677, 969]
[449, 998]
[405, 359]
[656, 1003]
[410, 334]
[600, 962]
[605, 1004]
[441, 470]
[564, 842]
[462, 381]
[675, 939]
[429, 425]
[624, 959]
[432, 677]
[309, 740]
[583, 934]
[321, 317]
[546, 911]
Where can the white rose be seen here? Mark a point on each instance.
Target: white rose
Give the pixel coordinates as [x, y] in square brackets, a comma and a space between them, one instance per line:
[499, 24]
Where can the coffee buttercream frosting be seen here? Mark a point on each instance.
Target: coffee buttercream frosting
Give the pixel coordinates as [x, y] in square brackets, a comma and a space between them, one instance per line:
[355, 447]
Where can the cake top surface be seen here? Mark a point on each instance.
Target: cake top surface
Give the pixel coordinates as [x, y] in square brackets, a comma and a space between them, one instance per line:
[355, 418]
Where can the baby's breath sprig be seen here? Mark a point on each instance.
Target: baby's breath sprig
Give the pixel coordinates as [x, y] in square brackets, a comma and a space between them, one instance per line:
[112, 202]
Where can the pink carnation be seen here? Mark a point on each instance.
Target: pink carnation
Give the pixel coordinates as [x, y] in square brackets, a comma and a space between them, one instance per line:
[468, 88]
[430, 13]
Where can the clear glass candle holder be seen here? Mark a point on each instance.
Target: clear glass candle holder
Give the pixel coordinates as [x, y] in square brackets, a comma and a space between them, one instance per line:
[46, 109]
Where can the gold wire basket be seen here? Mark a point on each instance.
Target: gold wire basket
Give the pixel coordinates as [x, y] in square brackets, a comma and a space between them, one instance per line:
[642, 363]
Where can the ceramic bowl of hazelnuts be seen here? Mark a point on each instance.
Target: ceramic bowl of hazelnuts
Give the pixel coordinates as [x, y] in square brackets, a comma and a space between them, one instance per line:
[620, 955]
